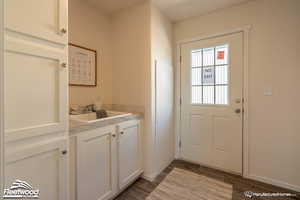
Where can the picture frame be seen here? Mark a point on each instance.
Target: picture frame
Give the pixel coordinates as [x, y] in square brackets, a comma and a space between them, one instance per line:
[82, 66]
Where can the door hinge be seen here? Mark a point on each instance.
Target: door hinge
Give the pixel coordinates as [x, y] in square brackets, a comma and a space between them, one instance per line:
[180, 101]
[180, 59]
[179, 144]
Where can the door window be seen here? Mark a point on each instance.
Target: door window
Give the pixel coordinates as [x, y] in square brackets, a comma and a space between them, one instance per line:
[210, 75]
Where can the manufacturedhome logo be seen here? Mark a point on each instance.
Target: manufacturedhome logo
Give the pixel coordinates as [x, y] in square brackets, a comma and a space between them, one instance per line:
[21, 190]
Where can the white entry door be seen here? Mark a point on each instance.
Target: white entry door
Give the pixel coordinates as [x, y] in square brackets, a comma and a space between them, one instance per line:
[212, 102]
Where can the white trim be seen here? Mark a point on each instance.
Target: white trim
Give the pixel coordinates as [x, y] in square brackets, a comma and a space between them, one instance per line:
[1, 96]
[177, 101]
[274, 182]
[148, 178]
[245, 30]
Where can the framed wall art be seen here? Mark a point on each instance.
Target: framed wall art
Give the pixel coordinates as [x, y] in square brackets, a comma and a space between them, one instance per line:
[82, 66]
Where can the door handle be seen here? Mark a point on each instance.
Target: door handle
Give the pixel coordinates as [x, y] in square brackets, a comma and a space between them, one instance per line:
[237, 111]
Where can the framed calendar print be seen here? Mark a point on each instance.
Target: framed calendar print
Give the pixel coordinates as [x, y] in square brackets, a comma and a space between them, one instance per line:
[82, 66]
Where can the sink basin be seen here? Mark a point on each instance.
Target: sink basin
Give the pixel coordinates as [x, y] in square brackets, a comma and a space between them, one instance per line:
[92, 117]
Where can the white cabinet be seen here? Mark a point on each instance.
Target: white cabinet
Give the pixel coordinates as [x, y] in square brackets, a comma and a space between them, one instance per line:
[107, 160]
[97, 164]
[36, 74]
[44, 166]
[47, 19]
[36, 95]
[129, 152]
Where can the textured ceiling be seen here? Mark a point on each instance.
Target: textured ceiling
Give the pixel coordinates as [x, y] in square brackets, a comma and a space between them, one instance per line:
[111, 6]
[176, 10]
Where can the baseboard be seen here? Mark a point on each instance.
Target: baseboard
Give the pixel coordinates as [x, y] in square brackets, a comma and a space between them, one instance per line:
[152, 177]
[128, 185]
[164, 167]
[212, 167]
[274, 182]
[258, 178]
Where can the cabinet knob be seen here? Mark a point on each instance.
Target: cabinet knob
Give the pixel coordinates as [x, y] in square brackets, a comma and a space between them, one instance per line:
[64, 152]
[63, 31]
[237, 111]
[64, 65]
[114, 135]
[122, 132]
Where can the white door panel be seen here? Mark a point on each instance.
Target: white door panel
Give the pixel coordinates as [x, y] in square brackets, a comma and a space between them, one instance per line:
[36, 73]
[96, 164]
[42, 19]
[129, 152]
[36, 90]
[227, 144]
[43, 108]
[193, 152]
[211, 89]
[44, 166]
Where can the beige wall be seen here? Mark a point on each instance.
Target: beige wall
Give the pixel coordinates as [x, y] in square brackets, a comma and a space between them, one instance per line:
[141, 35]
[162, 87]
[131, 55]
[131, 69]
[88, 28]
[274, 121]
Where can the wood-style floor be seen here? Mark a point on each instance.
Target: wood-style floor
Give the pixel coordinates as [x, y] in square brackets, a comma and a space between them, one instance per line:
[142, 188]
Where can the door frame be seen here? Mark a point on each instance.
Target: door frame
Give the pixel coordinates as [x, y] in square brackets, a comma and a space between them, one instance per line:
[246, 31]
[1, 96]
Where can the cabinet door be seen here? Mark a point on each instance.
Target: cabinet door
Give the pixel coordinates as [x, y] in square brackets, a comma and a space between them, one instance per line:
[130, 165]
[36, 74]
[96, 164]
[47, 19]
[35, 91]
[44, 166]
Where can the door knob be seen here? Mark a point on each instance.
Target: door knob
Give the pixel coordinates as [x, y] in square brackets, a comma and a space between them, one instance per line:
[237, 111]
